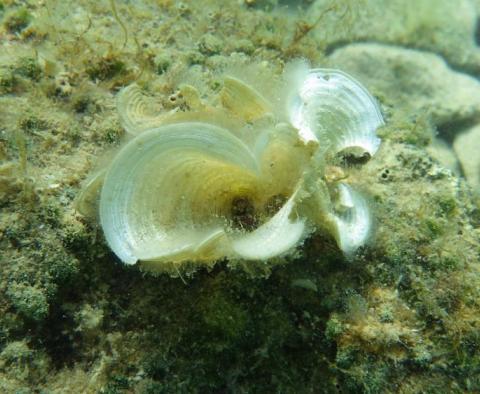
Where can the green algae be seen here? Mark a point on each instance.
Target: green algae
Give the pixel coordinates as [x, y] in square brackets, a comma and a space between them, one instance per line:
[30, 301]
[16, 20]
[106, 68]
[7, 81]
[29, 68]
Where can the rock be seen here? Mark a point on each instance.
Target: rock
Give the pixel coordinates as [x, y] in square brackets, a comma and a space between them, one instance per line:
[413, 83]
[467, 148]
[445, 27]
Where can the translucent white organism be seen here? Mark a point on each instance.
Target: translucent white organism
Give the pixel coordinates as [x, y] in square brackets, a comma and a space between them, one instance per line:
[352, 219]
[332, 107]
[171, 195]
[237, 181]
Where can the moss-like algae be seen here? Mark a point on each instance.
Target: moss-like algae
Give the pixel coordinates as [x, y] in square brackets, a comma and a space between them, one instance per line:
[17, 19]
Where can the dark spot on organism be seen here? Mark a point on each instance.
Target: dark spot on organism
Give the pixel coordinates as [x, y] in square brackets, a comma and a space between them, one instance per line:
[353, 156]
[243, 213]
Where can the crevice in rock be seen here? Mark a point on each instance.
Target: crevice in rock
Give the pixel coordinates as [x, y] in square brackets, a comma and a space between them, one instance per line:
[448, 131]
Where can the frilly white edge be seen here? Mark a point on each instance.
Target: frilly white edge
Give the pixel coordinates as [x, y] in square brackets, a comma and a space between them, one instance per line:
[330, 106]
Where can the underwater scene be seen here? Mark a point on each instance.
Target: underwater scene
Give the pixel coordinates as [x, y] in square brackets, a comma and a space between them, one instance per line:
[239, 196]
